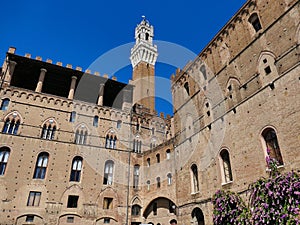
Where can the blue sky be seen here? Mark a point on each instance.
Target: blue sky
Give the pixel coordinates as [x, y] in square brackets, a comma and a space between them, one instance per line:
[79, 32]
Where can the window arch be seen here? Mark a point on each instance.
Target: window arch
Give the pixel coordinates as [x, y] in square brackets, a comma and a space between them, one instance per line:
[76, 169]
[272, 146]
[255, 22]
[225, 166]
[111, 140]
[81, 135]
[72, 117]
[148, 185]
[169, 176]
[147, 36]
[168, 154]
[136, 210]
[96, 121]
[4, 154]
[11, 124]
[49, 129]
[158, 158]
[148, 162]
[119, 124]
[158, 182]
[197, 216]
[136, 174]
[108, 172]
[4, 104]
[41, 166]
[195, 181]
[187, 88]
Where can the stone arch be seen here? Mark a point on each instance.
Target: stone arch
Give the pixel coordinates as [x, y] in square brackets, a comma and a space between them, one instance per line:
[64, 219]
[38, 220]
[100, 221]
[163, 204]
[74, 189]
[232, 91]
[197, 217]
[266, 67]
[136, 200]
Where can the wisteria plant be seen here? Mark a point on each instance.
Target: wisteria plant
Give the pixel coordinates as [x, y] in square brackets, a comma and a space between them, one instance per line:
[274, 200]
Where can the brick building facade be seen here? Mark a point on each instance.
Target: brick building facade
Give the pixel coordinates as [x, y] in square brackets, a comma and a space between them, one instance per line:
[103, 156]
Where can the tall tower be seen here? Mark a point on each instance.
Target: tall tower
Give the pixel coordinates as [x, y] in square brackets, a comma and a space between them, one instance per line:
[143, 57]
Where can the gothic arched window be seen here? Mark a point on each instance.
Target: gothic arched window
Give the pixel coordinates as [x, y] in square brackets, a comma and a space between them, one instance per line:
[108, 172]
[226, 166]
[41, 166]
[272, 145]
[195, 181]
[4, 154]
[76, 169]
[49, 129]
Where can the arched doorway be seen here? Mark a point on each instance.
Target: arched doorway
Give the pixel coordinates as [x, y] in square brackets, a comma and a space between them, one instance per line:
[197, 217]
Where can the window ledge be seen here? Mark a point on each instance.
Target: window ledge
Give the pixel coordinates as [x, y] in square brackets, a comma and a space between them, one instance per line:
[227, 183]
[278, 167]
[194, 193]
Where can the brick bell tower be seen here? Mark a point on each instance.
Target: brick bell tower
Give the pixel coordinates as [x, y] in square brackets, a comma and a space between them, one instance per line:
[143, 57]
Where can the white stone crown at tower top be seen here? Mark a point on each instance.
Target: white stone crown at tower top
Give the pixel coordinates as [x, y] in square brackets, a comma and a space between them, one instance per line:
[144, 50]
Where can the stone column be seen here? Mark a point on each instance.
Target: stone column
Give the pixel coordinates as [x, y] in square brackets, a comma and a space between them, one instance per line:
[100, 96]
[72, 87]
[10, 72]
[41, 80]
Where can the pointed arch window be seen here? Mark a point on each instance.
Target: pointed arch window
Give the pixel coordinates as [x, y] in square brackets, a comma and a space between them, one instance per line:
[4, 154]
[148, 162]
[41, 166]
[81, 135]
[136, 210]
[136, 174]
[11, 124]
[108, 172]
[110, 141]
[187, 88]
[255, 22]
[137, 146]
[49, 129]
[76, 169]
[272, 145]
[4, 104]
[195, 181]
[226, 166]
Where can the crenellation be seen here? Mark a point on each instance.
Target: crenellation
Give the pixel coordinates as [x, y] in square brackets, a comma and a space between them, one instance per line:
[59, 63]
[28, 55]
[69, 66]
[12, 50]
[49, 61]
[78, 68]
[39, 58]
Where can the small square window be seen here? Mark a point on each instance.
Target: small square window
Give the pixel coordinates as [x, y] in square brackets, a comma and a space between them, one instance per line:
[106, 220]
[70, 219]
[72, 201]
[229, 88]
[265, 60]
[29, 218]
[107, 203]
[268, 70]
